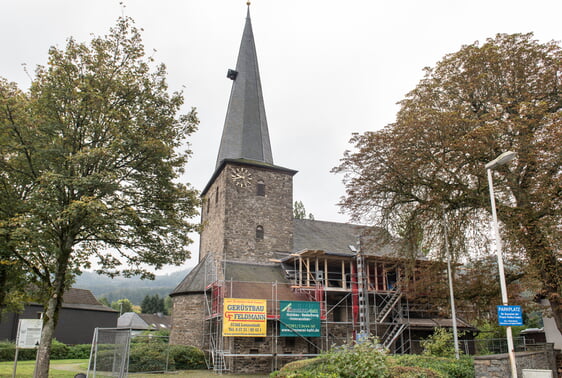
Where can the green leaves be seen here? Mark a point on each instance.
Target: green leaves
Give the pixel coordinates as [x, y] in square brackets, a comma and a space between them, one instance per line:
[90, 162]
[473, 105]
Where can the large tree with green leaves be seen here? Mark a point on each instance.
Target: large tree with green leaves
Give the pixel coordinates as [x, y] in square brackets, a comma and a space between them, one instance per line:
[90, 163]
[12, 276]
[473, 105]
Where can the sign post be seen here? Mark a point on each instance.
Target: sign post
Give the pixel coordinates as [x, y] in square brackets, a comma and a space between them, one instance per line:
[244, 317]
[510, 316]
[28, 337]
[299, 318]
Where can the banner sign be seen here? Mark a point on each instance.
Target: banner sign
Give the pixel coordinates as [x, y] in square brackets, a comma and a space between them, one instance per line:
[244, 317]
[510, 316]
[29, 333]
[299, 318]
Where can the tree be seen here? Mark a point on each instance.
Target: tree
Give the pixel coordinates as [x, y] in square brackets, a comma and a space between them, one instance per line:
[122, 305]
[104, 301]
[168, 305]
[152, 304]
[12, 276]
[468, 109]
[299, 212]
[92, 152]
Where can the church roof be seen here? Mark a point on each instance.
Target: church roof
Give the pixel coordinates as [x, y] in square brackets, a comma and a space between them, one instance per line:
[242, 271]
[195, 280]
[336, 237]
[313, 235]
[245, 133]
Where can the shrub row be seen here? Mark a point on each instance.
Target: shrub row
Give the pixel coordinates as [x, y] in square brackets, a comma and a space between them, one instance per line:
[144, 356]
[370, 360]
[59, 351]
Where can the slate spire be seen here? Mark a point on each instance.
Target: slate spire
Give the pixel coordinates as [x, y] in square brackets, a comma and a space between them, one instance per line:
[245, 134]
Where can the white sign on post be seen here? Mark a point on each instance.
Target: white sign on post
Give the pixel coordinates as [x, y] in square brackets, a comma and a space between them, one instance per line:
[29, 333]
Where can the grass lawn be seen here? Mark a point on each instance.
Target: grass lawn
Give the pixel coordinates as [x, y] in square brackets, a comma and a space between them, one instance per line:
[69, 368]
[59, 368]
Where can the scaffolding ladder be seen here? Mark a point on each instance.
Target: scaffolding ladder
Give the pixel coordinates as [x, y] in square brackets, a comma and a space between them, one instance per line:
[391, 315]
[214, 340]
[363, 297]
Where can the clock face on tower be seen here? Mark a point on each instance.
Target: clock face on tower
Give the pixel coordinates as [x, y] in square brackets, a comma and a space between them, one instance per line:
[241, 177]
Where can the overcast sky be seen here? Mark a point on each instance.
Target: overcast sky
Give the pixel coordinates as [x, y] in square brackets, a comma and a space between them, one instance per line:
[328, 68]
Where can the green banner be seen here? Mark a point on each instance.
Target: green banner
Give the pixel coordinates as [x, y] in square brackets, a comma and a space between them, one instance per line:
[300, 318]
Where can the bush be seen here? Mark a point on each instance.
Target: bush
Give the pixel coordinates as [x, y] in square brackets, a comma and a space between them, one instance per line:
[79, 351]
[59, 351]
[369, 360]
[8, 351]
[366, 359]
[187, 357]
[447, 367]
[440, 344]
[148, 357]
[301, 368]
[349, 360]
[104, 359]
[413, 372]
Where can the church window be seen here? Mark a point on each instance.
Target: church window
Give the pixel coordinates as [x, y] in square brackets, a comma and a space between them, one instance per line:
[260, 189]
[259, 232]
[217, 195]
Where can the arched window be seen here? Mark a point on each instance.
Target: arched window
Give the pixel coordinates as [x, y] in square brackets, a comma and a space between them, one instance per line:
[259, 232]
[260, 188]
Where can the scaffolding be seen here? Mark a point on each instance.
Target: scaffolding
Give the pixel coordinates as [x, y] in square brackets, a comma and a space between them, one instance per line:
[373, 284]
[359, 296]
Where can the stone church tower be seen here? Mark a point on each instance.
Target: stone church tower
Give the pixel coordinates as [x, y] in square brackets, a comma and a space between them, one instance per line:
[247, 212]
[247, 204]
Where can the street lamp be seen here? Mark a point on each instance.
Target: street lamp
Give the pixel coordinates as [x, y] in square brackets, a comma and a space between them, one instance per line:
[451, 292]
[504, 158]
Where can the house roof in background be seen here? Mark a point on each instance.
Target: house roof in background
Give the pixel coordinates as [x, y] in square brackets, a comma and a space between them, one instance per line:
[144, 321]
[82, 299]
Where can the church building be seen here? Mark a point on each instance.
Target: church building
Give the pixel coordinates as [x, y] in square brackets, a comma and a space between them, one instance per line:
[269, 288]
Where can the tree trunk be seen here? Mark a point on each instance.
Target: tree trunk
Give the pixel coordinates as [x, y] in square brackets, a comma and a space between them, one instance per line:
[47, 334]
[50, 320]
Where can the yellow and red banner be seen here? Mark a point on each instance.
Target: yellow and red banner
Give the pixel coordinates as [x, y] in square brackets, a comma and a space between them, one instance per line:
[244, 317]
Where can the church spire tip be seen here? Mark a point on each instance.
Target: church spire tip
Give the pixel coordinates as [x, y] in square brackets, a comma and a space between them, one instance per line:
[245, 133]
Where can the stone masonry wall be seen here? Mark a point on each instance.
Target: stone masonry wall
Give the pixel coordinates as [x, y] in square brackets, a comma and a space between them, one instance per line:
[498, 366]
[188, 320]
[245, 210]
[231, 214]
[212, 219]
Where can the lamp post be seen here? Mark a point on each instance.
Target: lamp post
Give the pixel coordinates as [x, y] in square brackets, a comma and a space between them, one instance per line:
[451, 292]
[504, 158]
